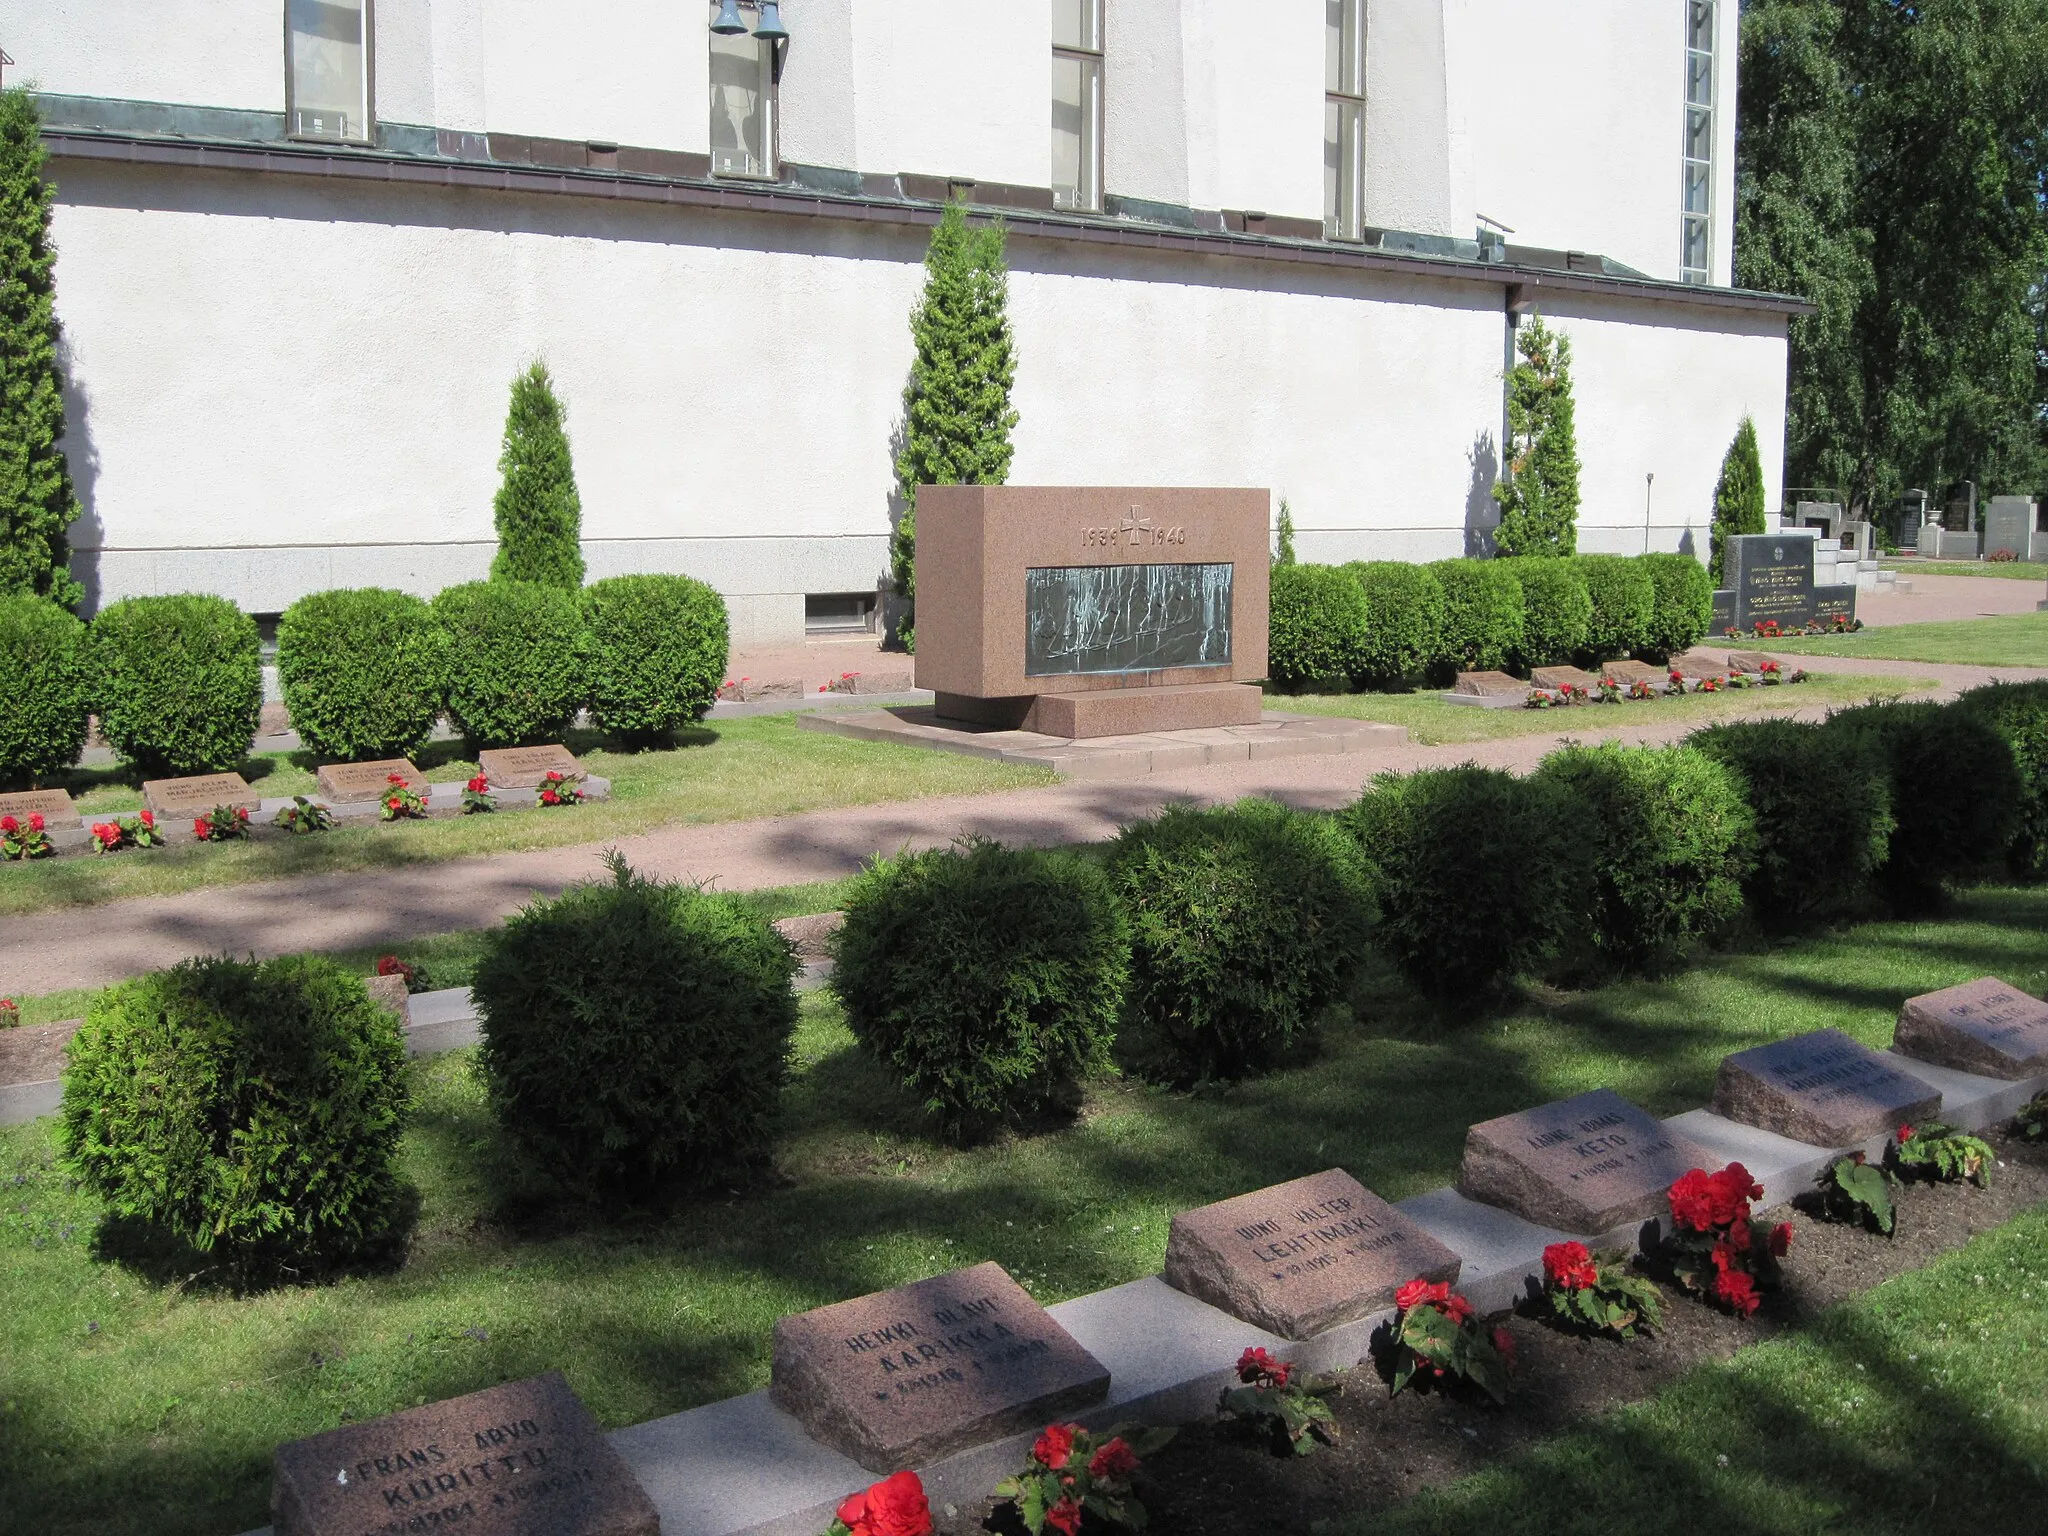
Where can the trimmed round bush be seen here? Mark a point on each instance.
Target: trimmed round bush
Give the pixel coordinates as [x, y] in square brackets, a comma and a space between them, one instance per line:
[1664, 843]
[1472, 870]
[1820, 803]
[177, 681]
[987, 978]
[1482, 615]
[636, 1034]
[1404, 620]
[1955, 796]
[250, 1110]
[2019, 713]
[517, 660]
[1556, 611]
[1681, 603]
[1316, 625]
[363, 670]
[1246, 924]
[1624, 600]
[657, 653]
[42, 727]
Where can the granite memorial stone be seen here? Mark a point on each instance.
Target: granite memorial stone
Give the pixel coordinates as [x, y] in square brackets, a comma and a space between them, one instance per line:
[1700, 664]
[522, 1459]
[1491, 685]
[354, 783]
[525, 767]
[199, 794]
[1301, 1257]
[1834, 602]
[1723, 616]
[53, 805]
[1564, 677]
[1625, 671]
[1982, 1026]
[1822, 1088]
[1587, 1164]
[1771, 576]
[2008, 526]
[903, 1377]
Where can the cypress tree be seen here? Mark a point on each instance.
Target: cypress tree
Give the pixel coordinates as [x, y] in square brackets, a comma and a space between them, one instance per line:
[539, 516]
[956, 408]
[1739, 498]
[1283, 550]
[37, 502]
[1539, 499]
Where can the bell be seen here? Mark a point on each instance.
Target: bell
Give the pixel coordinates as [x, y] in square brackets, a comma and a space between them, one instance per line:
[728, 23]
[770, 28]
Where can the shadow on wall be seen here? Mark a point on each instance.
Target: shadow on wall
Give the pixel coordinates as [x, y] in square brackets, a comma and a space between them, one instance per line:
[86, 533]
[1482, 512]
[1687, 545]
[892, 609]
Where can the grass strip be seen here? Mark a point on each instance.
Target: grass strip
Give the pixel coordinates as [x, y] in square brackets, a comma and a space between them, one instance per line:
[2002, 640]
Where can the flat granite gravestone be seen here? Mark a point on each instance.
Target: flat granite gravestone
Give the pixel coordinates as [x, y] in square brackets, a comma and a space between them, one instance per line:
[903, 1377]
[353, 783]
[1634, 671]
[199, 794]
[1982, 1026]
[525, 767]
[1490, 685]
[1560, 677]
[1747, 661]
[53, 805]
[522, 1459]
[1587, 1164]
[1822, 1088]
[390, 992]
[1300, 1257]
[1697, 663]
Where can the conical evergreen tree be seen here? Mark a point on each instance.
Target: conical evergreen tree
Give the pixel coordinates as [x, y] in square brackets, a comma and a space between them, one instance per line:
[956, 408]
[37, 502]
[1739, 498]
[1539, 499]
[539, 516]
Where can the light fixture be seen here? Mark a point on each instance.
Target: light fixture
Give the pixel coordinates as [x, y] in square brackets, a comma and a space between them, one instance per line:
[770, 28]
[728, 23]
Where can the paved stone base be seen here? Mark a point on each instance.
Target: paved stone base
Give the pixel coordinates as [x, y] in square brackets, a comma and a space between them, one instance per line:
[1115, 757]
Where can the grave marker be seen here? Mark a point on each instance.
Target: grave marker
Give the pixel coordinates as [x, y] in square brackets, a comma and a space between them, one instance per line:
[1700, 664]
[1491, 685]
[356, 783]
[522, 1459]
[1771, 576]
[1982, 1026]
[53, 805]
[1303, 1256]
[903, 1377]
[1626, 671]
[525, 767]
[1587, 1164]
[198, 794]
[1562, 677]
[1822, 1088]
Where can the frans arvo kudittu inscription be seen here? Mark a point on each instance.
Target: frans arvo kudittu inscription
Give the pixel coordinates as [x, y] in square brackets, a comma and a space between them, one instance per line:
[902, 1377]
[1587, 1164]
[1125, 618]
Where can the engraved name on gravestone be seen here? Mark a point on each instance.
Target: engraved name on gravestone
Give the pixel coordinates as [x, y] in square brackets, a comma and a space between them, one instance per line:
[2008, 526]
[53, 805]
[1982, 1026]
[525, 767]
[1125, 618]
[1587, 1164]
[1772, 578]
[1303, 1256]
[902, 1377]
[197, 795]
[1822, 1088]
[347, 783]
[1831, 603]
[522, 1459]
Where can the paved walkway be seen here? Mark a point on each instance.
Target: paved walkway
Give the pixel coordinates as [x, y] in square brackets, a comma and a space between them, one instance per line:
[93, 946]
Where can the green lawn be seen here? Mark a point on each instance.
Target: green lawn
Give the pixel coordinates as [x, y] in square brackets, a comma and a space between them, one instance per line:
[1434, 722]
[2011, 570]
[132, 1406]
[1919, 1406]
[759, 765]
[2004, 640]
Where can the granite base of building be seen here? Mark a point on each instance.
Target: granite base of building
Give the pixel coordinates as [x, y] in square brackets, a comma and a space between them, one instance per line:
[1109, 711]
[1128, 756]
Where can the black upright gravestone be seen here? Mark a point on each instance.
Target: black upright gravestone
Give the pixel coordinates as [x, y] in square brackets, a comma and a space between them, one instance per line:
[1771, 576]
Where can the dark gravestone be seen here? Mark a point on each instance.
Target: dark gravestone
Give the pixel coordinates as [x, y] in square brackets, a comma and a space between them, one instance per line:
[1771, 576]
[1125, 618]
[1587, 1164]
[1821, 1088]
[1724, 613]
[525, 767]
[1831, 603]
[1301, 1257]
[1982, 1026]
[903, 1377]
[522, 1459]
[347, 783]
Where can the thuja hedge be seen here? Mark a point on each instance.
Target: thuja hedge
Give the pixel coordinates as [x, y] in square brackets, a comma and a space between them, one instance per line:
[177, 681]
[42, 726]
[363, 671]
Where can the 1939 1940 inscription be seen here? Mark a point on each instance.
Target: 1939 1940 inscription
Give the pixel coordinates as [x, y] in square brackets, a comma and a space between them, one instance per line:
[902, 1377]
[1587, 1164]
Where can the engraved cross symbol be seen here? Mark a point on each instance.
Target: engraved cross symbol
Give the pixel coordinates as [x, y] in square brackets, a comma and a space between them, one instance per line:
[1134, 523]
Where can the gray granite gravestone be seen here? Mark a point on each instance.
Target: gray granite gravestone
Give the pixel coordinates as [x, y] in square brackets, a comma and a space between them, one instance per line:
[53, 805]
[2008, 526]
[903, 1377]
[1822, 1088]
[1300, 1257]
[1587, 1164]
[1982, 1026]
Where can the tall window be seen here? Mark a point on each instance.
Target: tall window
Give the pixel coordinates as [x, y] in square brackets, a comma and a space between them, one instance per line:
[1077, 104]
[1696, 234]
[743, 102]
[327, 69]
[1343, 118]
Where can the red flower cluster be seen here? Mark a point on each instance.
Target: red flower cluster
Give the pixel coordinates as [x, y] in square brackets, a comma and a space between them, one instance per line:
[896, 1506]
[1707, 1201]
[1256, 1368]
[1421, 1293]
[391, 965]
[556, 789]
[35, 823]
[106, 836]
[479, 785]
[1905, 1134]
[1717, 1206]
[1052, 1448]
[1115, 1459]
[1569, 1266]
[1504, 1343]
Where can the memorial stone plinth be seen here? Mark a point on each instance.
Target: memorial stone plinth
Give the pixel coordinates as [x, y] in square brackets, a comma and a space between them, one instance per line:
[525, 767]
[199, 794]
[1587, 1164]
[1301, 1257]
[1822, 1088]
[53, 805]
[1982, 1026]
[522, 1459]
[356, 783]
[903, 1377]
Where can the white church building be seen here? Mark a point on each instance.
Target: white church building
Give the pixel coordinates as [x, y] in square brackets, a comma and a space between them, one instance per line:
[304, 246]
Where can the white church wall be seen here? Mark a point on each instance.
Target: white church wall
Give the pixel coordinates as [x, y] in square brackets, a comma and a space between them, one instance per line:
[623, 71]
[213, 53]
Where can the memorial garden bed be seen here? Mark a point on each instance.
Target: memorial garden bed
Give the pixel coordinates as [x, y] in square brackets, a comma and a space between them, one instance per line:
[136, 1401]
[2001, 640]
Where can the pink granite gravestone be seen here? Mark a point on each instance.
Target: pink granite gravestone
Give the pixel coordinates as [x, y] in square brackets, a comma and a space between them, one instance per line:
[1822, 1088]
[1587, 1164]
[1982, 1026]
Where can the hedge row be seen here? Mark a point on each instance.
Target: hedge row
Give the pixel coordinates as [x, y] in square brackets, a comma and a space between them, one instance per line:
[1388, 624]
[177, 682]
